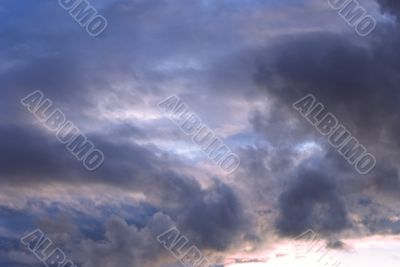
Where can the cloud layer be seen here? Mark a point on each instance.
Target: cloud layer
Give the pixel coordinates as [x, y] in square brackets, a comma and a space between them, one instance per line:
[239, 65]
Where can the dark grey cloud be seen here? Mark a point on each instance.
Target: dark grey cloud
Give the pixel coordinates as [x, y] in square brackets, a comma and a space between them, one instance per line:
[212, 217]
[391, 6]
[388, 181]
[357, 80]
[312, 202]
[126, 244]
[34, 156]
[99, 240]
[338, 244]
[215, 219]
[30, 156]
[348, 77]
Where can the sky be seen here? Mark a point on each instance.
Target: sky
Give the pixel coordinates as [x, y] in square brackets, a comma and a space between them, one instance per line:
[238, 66]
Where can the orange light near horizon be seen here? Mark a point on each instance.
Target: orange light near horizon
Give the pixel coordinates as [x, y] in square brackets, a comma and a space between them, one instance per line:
[369, 252]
